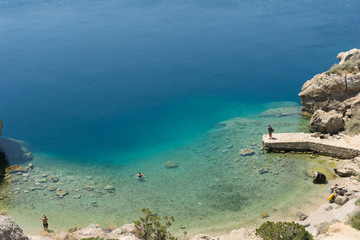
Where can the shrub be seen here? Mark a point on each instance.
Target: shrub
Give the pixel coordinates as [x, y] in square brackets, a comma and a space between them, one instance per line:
[151, 228]
[355, 220]
[346, 67]
[283, 231]
[352, 126]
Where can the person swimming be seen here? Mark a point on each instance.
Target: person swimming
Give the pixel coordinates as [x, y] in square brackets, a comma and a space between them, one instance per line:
[140, 176]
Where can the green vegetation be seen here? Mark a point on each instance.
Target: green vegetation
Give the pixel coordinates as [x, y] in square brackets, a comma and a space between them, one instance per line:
[151, 228]
[346, 67]
[355, 220]
[283, 231]
[352, 126]
[357, 202]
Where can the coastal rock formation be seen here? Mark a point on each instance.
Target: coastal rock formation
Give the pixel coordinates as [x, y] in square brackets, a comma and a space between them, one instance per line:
[9, 230]
[15, 151]
[3, 164]
[337, 89]
[326, 122]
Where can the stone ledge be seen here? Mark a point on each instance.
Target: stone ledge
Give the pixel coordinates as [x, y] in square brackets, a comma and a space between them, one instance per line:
[305, 142]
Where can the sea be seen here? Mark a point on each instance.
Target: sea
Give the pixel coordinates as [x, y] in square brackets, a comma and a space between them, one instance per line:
[102, 90]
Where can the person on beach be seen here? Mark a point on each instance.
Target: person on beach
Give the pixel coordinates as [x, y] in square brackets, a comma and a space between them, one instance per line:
[332, 188]
[45, 223]
[140, 176]
[270, 129]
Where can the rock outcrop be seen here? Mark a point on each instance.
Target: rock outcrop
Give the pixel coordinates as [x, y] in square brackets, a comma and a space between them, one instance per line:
[9, 230]
[326, 122]
[337, 89]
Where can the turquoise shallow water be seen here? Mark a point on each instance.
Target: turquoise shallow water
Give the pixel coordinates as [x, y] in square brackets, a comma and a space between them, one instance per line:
[102, 90]
[214, 188]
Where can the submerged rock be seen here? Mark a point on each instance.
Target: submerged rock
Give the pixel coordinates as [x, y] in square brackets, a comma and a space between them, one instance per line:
[246, 152]
[110, 189]
[88, 188]
[171, 164]
[54, 179]
[61, 193]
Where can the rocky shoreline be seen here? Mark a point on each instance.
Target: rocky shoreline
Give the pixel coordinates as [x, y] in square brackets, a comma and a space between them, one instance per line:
[331, 99]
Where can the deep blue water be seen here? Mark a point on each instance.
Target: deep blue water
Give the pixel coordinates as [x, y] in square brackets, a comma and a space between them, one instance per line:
[79, 78]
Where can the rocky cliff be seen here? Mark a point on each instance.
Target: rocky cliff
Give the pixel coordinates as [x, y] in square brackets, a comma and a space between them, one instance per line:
[337, 89]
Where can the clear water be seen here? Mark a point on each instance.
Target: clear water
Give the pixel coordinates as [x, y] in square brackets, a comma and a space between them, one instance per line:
[107, 89]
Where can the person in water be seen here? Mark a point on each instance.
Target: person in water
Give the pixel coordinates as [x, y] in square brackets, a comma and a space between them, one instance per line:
[270, 129]
[140, 176]
[45, 223]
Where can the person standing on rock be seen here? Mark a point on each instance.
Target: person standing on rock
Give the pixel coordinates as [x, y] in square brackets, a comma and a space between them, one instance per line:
[270, 129]
[45, 223]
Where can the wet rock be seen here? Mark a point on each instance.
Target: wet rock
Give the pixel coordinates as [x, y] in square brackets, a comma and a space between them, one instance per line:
[88, 188]
[42, 180]
[44, 175]
[171, 164]
[61, 193]
[110, 189]
[230, 146]
[263, 170]
[94, 204]
[52, 188]
[27, 157]
[54, 179]
[246, 152]
[77, 196]
[25, 179]
[265, 215]
[13, 169]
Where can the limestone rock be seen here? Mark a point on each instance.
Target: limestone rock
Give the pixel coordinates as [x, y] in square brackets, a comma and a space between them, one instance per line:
[18, 168]
[246, 152]
[344, 172]
[171, 164]
[9, 230]
[351, 55]
[331, 122]
[328, 91]
[341, 200]
[61, 193]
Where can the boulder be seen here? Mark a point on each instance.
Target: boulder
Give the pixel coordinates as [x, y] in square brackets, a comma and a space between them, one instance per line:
[344, 172]
[341, 200]
[319, 178]
[18, 168]
[9, 230]
[15, 151]
[326, 122]
[246, 152]
[351, 55]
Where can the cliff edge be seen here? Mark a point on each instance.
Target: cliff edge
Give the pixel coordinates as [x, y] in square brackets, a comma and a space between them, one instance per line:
[334, 92]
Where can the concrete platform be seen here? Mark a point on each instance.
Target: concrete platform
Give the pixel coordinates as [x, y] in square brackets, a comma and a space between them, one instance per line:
[341, 148]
